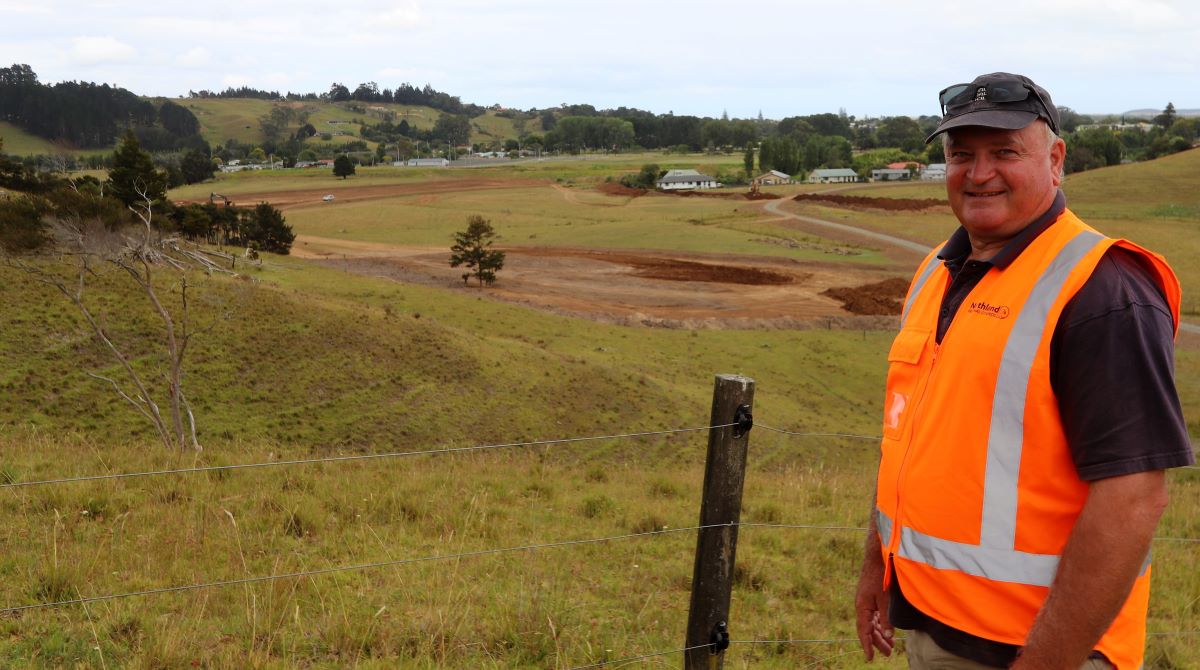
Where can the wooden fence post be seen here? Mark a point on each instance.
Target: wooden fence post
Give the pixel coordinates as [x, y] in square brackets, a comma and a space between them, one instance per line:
[724, 474]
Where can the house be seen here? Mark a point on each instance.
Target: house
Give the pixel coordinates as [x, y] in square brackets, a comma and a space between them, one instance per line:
[890, 174]
[428, 162]
[906, 165]
[773, 178]
[934, 172]
[833, 176]
[684, 179]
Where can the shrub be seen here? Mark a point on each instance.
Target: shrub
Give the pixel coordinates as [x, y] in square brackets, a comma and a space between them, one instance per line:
[22, 225]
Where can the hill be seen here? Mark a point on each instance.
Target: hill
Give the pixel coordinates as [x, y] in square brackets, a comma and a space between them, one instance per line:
[17, 142]
[1148, 113]
[238, 118]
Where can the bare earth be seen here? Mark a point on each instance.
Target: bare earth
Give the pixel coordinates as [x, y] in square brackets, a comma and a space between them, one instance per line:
[652, 288]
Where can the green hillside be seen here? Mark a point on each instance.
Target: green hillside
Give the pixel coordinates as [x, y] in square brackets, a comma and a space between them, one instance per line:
[238, 118]
[296, 360]
[17, 142]
[1155, 203]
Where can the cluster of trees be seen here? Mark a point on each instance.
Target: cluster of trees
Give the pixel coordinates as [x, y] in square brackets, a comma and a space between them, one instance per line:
[239, 92]
[134, 183]
[405, 94]
[85, 115]
[580, 133]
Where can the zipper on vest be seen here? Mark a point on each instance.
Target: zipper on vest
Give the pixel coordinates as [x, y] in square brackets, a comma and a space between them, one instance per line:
[898, 522]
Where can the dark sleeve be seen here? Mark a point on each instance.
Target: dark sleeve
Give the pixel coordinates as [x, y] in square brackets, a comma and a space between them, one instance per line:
[1112, 368]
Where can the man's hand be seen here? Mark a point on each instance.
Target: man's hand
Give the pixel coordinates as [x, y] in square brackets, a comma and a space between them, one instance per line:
[871, 601]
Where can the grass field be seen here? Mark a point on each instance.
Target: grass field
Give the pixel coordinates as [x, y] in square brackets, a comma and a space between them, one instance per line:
[301, 360]
[17, 142]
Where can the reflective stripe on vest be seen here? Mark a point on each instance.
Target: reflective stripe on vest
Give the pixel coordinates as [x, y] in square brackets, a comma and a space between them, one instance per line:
[995, 557]
[919, 283]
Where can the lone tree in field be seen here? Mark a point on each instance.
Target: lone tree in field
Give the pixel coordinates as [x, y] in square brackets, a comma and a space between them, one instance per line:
[472, 248]
[342, 167]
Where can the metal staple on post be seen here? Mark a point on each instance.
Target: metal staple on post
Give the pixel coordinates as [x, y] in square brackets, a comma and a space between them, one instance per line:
[720, 512]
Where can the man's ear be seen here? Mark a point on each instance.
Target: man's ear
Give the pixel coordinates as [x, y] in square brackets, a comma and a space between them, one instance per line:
[1058, 157]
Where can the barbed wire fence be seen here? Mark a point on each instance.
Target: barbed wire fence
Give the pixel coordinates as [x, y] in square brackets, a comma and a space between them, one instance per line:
[743, 421]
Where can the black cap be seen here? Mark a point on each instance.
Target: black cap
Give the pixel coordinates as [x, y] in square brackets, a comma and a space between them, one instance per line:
[996, 100]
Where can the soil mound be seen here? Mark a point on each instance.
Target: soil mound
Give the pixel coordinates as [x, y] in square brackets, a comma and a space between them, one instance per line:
[890, 204]
[676, 270]
[880, 298]
[615, 188]
[726, 195]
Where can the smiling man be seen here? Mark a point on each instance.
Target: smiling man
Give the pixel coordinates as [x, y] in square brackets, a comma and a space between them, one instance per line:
[1030, 413]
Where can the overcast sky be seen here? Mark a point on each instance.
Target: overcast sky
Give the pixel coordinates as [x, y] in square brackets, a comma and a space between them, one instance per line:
[698, 57]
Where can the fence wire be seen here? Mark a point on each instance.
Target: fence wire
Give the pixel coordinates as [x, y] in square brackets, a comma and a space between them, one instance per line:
[356, 457]
[873, 438]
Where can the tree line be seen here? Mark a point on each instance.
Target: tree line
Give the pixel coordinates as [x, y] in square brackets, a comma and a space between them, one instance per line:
[88, 115]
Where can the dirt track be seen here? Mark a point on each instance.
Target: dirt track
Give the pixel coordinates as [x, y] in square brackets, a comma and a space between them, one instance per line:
[285, 200]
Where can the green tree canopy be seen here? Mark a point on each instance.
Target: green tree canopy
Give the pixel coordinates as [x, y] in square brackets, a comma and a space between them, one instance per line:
[132, 178]
[902, 132]
[472, 248]
[342, 166]
[196, 167]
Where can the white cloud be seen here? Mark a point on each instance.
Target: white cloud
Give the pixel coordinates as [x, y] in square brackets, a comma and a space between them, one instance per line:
[234, 81]
[406, 15]
[96, 50]
[196, 57]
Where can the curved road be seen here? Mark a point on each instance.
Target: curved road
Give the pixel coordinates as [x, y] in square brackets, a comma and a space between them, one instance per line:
[773, 206]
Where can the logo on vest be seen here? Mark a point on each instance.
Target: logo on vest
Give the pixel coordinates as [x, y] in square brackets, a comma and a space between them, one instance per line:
[987, 309]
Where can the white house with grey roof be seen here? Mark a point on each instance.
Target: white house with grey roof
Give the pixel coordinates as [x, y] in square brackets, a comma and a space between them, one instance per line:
[833, 176]
[675, 180]
[934, 172]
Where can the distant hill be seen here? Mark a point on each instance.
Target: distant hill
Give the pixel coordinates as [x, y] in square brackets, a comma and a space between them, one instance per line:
[224, 119]
[1151, 113]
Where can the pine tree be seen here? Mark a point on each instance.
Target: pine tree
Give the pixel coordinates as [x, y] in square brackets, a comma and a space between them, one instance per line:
[133, 178]
[472, 248]
[342, 167]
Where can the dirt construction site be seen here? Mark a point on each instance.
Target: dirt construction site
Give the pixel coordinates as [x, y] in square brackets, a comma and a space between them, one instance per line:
[628, 286]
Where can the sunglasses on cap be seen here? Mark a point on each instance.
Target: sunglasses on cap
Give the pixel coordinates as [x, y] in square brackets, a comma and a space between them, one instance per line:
[960, 95]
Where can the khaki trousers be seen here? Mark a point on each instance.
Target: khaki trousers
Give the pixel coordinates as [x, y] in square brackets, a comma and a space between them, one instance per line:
[925, 654]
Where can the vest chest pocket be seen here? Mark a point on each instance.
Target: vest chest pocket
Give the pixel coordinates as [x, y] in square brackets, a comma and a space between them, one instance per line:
[904, 373]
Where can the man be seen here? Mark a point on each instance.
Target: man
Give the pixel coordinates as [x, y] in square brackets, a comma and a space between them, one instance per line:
[1029, 416]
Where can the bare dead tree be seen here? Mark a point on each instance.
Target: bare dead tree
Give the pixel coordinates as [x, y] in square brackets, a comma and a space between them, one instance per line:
[141, 256]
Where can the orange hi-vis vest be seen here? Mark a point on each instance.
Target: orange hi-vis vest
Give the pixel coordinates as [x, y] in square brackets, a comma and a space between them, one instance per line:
[977, 490]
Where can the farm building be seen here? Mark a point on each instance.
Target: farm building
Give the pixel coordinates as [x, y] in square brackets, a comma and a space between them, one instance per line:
[683, 179]
[833, 176]
[907, 165]
[890, 174]
[934, 172]
[427, 162]
[773, 178]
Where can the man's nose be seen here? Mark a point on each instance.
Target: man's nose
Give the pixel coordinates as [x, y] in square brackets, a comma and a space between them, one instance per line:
[982, 169]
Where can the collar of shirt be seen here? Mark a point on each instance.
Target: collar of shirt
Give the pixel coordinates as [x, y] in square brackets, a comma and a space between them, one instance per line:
[958, 247]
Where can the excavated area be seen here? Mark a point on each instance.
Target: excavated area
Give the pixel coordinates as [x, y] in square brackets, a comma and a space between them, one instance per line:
[642, 287]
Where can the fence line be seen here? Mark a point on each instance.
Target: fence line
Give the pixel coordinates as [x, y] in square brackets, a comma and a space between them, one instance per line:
[357, 457]
[874, 438]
